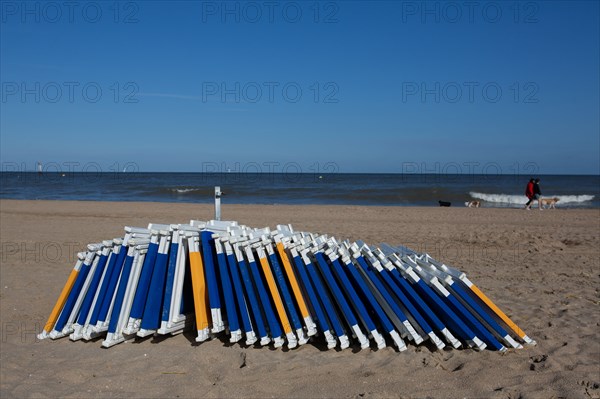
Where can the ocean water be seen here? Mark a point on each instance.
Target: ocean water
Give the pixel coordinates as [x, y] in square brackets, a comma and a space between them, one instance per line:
[276, 188]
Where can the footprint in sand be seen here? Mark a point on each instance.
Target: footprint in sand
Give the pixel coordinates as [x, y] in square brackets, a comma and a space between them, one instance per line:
[591, 388]
[589, 384]
[538, 362]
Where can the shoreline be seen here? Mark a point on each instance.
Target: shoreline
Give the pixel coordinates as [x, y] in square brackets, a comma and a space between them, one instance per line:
[495, 191]
[460, 205]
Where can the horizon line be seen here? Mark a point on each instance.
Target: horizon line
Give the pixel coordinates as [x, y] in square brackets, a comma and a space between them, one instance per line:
[304, 173]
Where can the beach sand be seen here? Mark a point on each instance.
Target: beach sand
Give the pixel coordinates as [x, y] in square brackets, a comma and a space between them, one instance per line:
[541, 268]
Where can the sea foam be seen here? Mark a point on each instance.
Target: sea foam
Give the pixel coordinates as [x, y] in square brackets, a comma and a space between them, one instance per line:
[511, 199]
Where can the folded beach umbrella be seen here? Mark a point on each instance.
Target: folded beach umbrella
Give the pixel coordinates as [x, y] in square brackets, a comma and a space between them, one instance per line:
[199, 285]
[91, 294]
[226, 284]
[288, 301]
[141, 293]
[415, 320]
[412, 288]
[152, 310]
[441, 287]
[318, 303]
[458, 317]
[175, 309]
[137, 249]
[407, 297]
[214, 298]
[362, 286]
[272, 286]
[88, 330]
[486, 312]
[346, 311]
[297, 291]
[241, 308]
[485, 302]
[275, 295]
[314, 302]
[60, 303]
[425, 317]
[385, 299]
[72, 302]
[354, 298]
[325, 299]
[108, 290]
[250, 262]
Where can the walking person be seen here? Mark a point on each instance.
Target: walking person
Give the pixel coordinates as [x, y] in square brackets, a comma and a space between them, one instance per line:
[537, 192]
[529, 193]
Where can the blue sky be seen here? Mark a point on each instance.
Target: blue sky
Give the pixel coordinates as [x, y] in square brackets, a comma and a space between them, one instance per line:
[362, 86]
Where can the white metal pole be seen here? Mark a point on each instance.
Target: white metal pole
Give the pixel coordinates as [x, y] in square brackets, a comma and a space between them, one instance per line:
[218, 203]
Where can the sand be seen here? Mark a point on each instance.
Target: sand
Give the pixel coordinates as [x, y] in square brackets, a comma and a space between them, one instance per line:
[541, 268]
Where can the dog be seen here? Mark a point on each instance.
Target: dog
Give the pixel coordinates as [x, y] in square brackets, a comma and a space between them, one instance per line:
[549, 202]
[445, 203]
[473, 204]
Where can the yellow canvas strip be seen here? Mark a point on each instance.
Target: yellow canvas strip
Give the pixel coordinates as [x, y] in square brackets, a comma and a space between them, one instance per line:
[199, 289]
[293, 282]
[497, 310]
[60, 303]
[287, 327]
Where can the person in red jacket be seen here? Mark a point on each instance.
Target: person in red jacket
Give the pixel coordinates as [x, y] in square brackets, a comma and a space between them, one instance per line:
[529, 193]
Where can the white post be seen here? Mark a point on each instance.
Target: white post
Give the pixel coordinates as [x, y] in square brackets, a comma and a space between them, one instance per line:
[218, 194]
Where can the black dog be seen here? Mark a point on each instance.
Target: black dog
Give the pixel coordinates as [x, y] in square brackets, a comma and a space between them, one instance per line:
[445, 203]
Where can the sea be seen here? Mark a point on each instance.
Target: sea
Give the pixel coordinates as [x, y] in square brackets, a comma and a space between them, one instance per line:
[576, 191]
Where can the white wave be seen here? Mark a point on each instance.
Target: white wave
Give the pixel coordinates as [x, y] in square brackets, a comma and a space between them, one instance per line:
[522, 200]
[184, 190]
